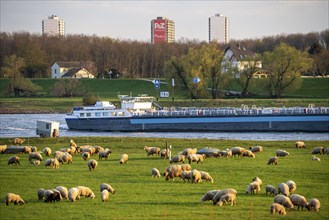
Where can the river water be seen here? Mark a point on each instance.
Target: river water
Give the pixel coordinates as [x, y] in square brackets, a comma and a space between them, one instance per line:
[24, 125]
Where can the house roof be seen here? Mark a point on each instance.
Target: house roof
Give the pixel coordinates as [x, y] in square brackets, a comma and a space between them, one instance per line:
[239, 52]
[71, 72]
[72, 64]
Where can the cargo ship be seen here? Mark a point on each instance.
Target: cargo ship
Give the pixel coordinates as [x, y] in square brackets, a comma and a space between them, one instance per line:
[143, 114]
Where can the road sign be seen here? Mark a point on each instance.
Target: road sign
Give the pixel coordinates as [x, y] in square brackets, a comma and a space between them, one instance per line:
[156, 83]
[164, 94]
[196, 80]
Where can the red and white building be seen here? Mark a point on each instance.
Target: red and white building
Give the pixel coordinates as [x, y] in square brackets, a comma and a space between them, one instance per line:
[162, 30]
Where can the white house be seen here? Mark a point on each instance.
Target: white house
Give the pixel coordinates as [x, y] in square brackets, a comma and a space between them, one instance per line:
[79, 72]
[58, 69]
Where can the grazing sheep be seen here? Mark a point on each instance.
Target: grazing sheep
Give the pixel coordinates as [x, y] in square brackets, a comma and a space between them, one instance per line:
[195, 176]
[90, 149]
[300, 144]
[47, 151]
[104, 195]
[220, 193]
[276, 207]
[85, 155]
[47, 193]
[34, 149]
[292, 186]
[196, 158]
[52, 162]
[41, 193]
[227, 198]
[99, 149]
[225, 153]
[35, 156]
[248, 153]
[36, 162]
[74, 194]
[186, 175]
[256, 149]
[177, 159]
[18, 141]
[152, 150]
[72, 143]
[315, 204]
[3, 148]
[123, 158]
[65, 150]
[155, 172]
[186, 167]
[188, 151]
[206, 176]
[104, 154]
[73, 150]
[284, 200]
[273, 160]
[209, 195]
[13, 160]
[281, 153]
[92, 164]
[271, 189]
[316, 158]
[66, 158]
[172, 171]
[27, 150]
[284, 189]
[164, 153]
[318, 150]
[237, 151]
[86, 191]
[253, 188]
[326, 151]
[108, 187]
[257, 180]
[54, 196]
[16, 199]
[299, 201]
[63, 191]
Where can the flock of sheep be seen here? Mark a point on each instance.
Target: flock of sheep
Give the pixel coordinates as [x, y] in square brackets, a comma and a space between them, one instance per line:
[284, 197]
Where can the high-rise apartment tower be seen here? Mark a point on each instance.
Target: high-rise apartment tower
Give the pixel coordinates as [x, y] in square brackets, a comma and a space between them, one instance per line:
[53, 26]
[218, 28]
[162, 30]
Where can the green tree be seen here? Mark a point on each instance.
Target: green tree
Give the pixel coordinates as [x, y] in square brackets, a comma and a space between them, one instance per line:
[68, 88]
[12, 67]
[285, 65]
[22, 86]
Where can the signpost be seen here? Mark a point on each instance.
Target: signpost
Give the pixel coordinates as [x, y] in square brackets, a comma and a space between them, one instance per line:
[156, 83]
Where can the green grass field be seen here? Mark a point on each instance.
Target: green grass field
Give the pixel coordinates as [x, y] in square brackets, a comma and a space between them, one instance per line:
[139, 196]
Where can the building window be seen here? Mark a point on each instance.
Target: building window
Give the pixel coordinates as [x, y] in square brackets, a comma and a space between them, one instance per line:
[47, 126]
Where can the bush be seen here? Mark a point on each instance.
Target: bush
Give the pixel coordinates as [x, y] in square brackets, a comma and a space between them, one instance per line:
[68, 88]
[90, 99]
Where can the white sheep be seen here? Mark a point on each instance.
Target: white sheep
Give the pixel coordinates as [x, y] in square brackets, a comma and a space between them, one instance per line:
[256, 149]
[92, 164]
[47, 151]
[299, 201]
[72, 143]
[18, 141]
[3, 148]
[164, 153]
[196, 158]
[104, 154]
[284, 189]
[13, 160]
[177, 159]
[108, 187]
[316, 158]
[188, 151]
[66, 158]
[195, 176]
[238, 151]
[284, 200]
[27, 150]
[52, 162]
[271, 189]
[206, 176]
[99, 149]
[276, 207]
[292, 186]
[172, 171]
[300, 144]
[220, 193]
[227, 198]
[35, 156]
[318, 150]
[16, 199]
[209, 195]
[123, 158]
[86, 191]
[253, 188]
[155, 172]
[85, 155]
[272, 160]
[281, 153]
[186, 175]
[104, 195]
[186, 167]
[152, 150]
[36, 162]
[248, 153]
[258, 180]
[315, 204]
[225, 153]
[74, 194]
[63, 191]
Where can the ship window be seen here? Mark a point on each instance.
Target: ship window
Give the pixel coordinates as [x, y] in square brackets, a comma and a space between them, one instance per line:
[97, 114]
[82, 114]
[88, 114]
[105, 114]
[114, 114]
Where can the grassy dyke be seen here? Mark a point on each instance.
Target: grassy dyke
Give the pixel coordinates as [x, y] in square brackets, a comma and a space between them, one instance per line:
[139, 196]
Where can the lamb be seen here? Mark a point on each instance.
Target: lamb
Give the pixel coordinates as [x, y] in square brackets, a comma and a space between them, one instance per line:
[177, 159]
[196, 158]
[86, 191]
[16, 199]
[152, 150]
[248, 153]
[85, 155]
[104, 195]
[300, 144]
[299, 201]
[273, 160]
[315, 204]
[47, 151]
[281, 153]
[292, 186]
[195, 176]
[54, 196]
[256, 149]
[92, 164]
[271, 189]
[108, 187]
[13, 160]
[18, 141]
[155, 172]
[253, 188]
[318, 150]
[36, 162]
[52, 162]
[284, 189]
[35, 156]
[284, 200]
[220, 193]
[3, 148]
[206, 176]
[316, 158]
[227, 198]
[276, 207]
[238, 151]
[74, 194]
[123, 158]
[63, 191]
[104, 154]
[209, 195]
[186, 167]
[173, 171]
[186, 175]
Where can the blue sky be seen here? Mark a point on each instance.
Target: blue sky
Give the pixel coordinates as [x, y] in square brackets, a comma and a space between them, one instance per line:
[131, 19]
